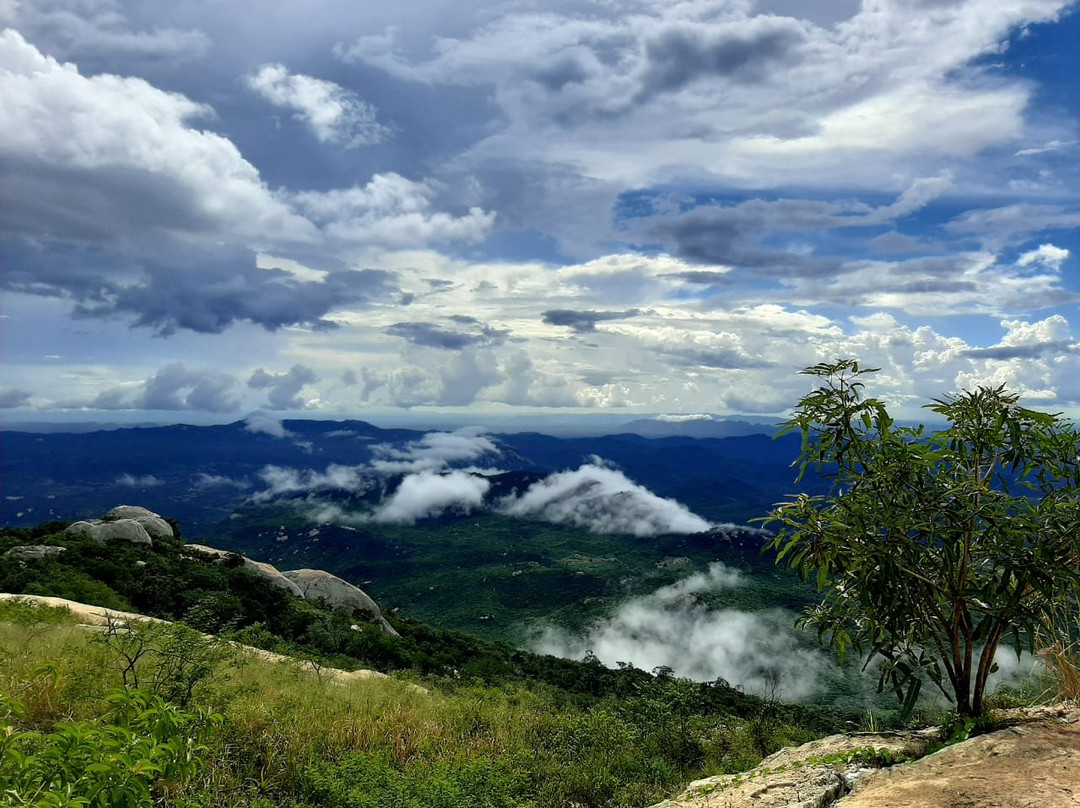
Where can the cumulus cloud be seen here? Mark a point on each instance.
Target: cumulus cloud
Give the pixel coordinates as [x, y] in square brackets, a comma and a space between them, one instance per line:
[602, 500]
[426, 494]
[392, 211]
[671, 628]
[134, 164]
[283, 389]
[434, 451]
[179, 387]
[334, 114]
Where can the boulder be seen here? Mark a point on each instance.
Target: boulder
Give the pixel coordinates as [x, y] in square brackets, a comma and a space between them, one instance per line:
[129, 512]
[154, 525]
[340, 595]
[34, 552]
[104, 532]
[268, 571]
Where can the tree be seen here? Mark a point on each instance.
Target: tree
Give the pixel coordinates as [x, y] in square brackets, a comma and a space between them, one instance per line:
[932, 549]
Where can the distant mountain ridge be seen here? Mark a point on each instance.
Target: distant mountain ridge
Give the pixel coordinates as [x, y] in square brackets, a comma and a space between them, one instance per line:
[203, 473]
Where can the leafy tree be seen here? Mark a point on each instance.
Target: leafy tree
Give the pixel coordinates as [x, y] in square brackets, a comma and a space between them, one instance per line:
[932, 549]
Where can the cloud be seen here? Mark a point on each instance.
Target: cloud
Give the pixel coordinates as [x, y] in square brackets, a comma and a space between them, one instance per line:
[603, 500]
[283, 389]
[427, 493]
[263, 423]
[389, 210]
[280, 480]
[131, 166]
[682, 419]
[452, 339]
[435, 451]
[133, 481]
[10, 399]
[99, 28]
[1046, 255]
[204, 480]
[655, 92]
[179, 387]
[671, 628]
[584, 321]
[334, 114]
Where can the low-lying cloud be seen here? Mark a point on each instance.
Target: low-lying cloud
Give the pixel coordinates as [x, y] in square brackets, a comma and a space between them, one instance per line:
[436, 450]
[285, 481]
[603, 500]
[427, 494]
[671, 628]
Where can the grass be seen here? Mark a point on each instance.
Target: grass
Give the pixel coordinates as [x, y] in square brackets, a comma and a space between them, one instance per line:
[288, 738]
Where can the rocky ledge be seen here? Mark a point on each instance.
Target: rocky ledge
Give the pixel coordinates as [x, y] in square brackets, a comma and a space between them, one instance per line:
[1034, 762]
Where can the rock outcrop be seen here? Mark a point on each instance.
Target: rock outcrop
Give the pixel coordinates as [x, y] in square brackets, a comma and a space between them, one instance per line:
[340, 595]
[268, 571]
[104, 532]
[1034, 763]
[154, 525]
[34, 552]
[813, 775]
[128, 523]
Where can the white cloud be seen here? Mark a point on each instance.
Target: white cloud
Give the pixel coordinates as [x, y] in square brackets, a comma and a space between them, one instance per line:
[671, 628]
[1046, 255]
[263, 423]
[602, 500]
[280, 480]
[427, 493]
[134, 481]
[334, 114]
[674, 90]
[435, 451]
[113, 156]
[391, 211]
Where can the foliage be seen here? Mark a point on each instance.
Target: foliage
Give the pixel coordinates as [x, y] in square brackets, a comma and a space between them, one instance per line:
[141, 747]
[933, 548]
[164, 659]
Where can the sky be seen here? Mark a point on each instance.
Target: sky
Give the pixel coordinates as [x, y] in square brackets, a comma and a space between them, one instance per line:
[329, 208]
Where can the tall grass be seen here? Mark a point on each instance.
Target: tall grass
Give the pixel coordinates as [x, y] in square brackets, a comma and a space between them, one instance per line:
[291, 738]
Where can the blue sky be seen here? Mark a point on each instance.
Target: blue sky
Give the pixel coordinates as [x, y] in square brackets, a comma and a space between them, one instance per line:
[484, 208]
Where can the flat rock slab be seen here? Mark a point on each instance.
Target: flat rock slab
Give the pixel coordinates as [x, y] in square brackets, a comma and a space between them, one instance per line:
[1035, 764]
[813, 775]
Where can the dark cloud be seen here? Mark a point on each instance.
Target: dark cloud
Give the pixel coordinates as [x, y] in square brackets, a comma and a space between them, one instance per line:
[9, 399]
[705, 277]
[716, 358]
[585, 321]
[283, 389]
[183, 287]
[682, 54]
[430, 335]
[734, 235]
[1033, 351]
[178, 387]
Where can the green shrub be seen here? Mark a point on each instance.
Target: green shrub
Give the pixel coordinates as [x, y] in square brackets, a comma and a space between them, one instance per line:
[143, 747]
